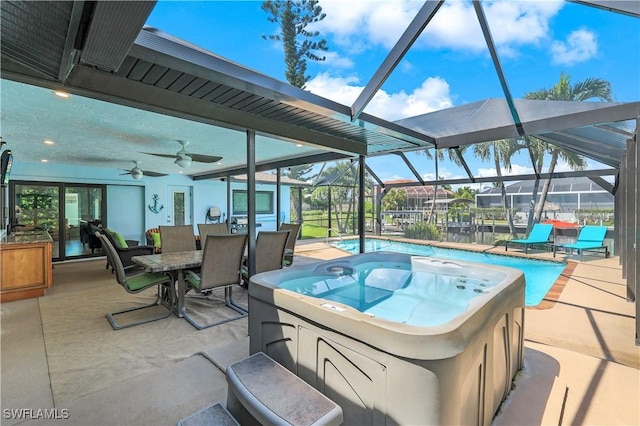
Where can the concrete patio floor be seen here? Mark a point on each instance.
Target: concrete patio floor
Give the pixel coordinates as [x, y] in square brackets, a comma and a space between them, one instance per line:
[581, 362]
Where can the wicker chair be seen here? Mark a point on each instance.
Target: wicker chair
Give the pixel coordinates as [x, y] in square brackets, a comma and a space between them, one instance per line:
[125, 253]
[151, 241]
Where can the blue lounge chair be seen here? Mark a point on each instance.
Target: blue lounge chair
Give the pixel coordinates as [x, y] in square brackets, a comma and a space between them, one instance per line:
[539, 235]
[590, 238]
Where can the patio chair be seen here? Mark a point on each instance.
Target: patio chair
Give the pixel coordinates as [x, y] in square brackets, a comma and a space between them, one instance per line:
[270, 247]
[135, 284]
[590, 238]
[125, 249]
[153, 238]
[221, 265]
[291, 241]
[177, 238]
[205, 229]
[539, 235]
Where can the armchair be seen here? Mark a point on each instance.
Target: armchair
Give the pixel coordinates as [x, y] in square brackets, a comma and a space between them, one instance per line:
[88, 236]
[124, 249]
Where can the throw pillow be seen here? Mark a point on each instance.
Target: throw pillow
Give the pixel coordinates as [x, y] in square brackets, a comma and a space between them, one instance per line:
[120, 241]
[156, 239]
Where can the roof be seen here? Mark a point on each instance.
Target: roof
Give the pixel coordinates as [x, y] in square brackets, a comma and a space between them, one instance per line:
[101, 51]
[574, 184]
[262, 177]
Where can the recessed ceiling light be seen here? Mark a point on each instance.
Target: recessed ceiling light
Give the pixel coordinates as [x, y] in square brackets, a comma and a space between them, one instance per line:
[298, 145]
[61, 94]
[44, 160]
[48, 142]
[180, 172]
[219, 163]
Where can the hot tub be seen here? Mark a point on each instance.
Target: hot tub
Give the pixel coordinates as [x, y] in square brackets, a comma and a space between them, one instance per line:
[394, 338]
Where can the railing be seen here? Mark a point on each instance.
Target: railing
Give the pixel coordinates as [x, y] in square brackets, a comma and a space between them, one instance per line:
[326, 240]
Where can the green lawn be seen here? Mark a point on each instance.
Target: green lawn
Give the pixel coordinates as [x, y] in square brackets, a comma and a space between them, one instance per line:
[313, 231]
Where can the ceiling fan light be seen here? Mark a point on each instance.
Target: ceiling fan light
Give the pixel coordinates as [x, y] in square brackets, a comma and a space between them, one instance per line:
[183, 161]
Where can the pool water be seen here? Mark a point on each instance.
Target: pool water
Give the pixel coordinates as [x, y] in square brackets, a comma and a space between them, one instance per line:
[540, 275]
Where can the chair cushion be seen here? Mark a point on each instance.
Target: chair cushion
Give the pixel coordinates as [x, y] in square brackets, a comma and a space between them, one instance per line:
[194, 280]
[117, 237]
[145, 280]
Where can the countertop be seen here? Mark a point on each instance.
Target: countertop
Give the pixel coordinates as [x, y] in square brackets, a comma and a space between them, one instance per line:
[26, 237]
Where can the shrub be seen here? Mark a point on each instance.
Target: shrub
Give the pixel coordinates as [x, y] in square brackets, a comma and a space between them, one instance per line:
[501, 239]
[423, 231]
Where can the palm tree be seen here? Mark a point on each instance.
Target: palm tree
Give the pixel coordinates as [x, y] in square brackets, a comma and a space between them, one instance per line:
[501, 150]
[440, 156]
[563, 91]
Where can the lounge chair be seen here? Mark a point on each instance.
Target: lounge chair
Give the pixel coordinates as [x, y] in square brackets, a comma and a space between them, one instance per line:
[135, 284]
[539, 235]
[590, 238]
[221, 265]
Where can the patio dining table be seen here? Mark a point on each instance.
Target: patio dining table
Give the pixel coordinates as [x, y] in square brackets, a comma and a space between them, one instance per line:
[175, 263]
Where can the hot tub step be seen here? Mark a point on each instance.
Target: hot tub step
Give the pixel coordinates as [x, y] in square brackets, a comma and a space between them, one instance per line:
[214, 414]
[263, 392]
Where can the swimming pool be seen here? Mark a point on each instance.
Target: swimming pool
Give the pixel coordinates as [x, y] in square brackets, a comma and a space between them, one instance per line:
[539, 274]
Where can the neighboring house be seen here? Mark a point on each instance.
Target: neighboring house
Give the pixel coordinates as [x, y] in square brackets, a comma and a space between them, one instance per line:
[564, 197]
[419, 197]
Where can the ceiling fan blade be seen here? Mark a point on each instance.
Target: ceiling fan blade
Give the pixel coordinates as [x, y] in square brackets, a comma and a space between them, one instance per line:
[201, 158]
[161, 155]
[127, 172]
[153, 174]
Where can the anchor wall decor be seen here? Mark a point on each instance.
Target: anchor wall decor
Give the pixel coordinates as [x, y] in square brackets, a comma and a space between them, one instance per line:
[155, 208]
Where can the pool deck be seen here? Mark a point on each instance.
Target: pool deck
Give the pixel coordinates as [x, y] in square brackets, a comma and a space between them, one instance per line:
[581, 362]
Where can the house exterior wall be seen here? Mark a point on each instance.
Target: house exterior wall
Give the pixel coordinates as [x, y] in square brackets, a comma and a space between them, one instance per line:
[204, 194]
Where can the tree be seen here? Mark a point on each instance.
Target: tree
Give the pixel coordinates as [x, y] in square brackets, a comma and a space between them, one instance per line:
[466, 192]
[299, 173]
[394, 199]
[563, 91]
[343, 180]
[293, 16]
[501, 150]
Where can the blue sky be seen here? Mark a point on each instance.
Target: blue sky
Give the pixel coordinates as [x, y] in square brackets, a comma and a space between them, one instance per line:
[448, 65]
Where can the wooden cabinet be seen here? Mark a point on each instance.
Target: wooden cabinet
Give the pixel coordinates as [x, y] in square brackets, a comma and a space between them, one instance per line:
[25, 266]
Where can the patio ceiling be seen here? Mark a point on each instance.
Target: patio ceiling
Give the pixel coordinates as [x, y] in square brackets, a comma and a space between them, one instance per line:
[137, 90]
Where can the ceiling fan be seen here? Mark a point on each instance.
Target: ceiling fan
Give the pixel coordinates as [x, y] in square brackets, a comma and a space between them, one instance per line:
[184, 158]
[136, 172]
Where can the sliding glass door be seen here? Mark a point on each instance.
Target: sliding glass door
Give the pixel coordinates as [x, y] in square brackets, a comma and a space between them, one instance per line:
[70, 213]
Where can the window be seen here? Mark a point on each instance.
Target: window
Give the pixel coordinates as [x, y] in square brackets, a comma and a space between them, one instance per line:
[264, 202]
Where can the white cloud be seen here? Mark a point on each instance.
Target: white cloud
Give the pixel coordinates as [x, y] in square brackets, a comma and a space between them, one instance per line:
[357, 25]
[516, 169]
[580, 46]
[335, 60]
[433, 94]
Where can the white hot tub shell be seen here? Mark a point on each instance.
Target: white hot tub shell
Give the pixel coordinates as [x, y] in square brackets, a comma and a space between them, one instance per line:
[383, 372]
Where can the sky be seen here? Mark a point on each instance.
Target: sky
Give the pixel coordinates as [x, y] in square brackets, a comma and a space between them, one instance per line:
[448, 65]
